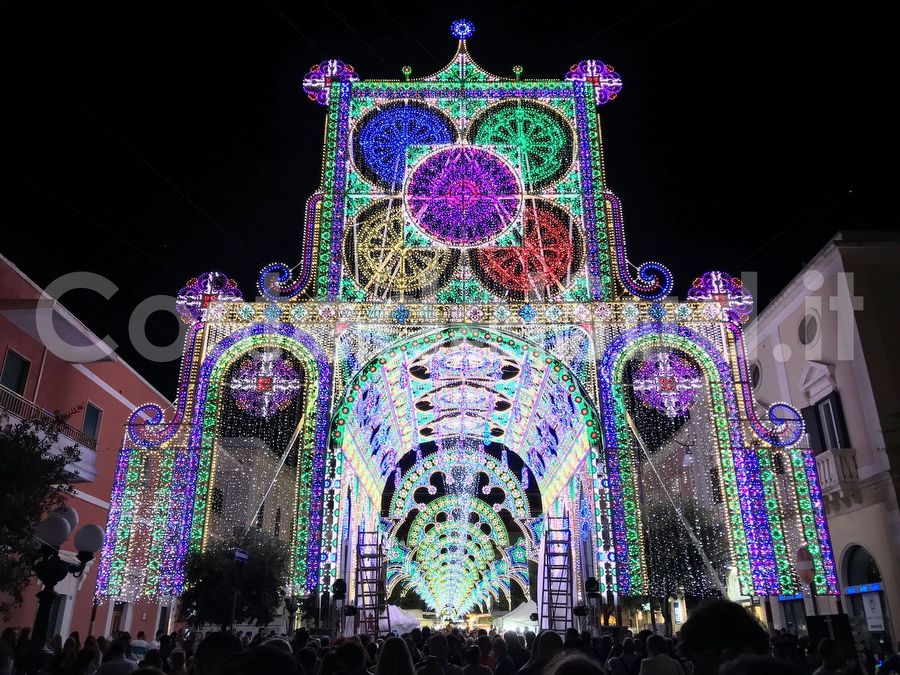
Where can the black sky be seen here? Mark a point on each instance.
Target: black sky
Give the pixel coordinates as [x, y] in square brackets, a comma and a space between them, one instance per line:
[151, 142]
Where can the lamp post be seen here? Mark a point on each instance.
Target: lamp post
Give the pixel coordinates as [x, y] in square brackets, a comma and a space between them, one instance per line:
[53, 532]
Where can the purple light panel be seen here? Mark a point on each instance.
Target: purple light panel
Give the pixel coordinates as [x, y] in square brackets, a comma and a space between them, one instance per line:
[463, 196]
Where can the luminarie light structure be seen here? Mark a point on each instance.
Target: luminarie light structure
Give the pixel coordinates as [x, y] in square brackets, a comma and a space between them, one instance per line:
[458, 357]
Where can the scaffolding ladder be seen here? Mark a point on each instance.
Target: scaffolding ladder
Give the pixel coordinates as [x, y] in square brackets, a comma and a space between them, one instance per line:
[372, 615]
[556, 608]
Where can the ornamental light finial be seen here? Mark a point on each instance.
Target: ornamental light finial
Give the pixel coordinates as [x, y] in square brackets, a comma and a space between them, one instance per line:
[462, 29]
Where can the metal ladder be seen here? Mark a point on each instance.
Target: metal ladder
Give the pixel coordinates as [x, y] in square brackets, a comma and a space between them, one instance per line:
[372, 615]
[556, 609]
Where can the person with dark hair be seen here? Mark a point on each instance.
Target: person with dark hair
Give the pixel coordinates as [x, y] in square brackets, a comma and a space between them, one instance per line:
[6, 652]
[485, 646]
[831, 654]
[87, 661]
[114, 661]
[627, 663]
[573, 640]
[351, 658]
[307, 658]
[394, 657]
[574, 663]
[438, 651]
[152, 659]
[473, 663]
[177, 662]
[546, 648]
[504, 662]
[760, 665]
[214, 652]
[514, 648]
[658, 661]
[720, 631]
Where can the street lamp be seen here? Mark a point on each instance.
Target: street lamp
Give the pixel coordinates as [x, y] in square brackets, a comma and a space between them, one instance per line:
[52, 532]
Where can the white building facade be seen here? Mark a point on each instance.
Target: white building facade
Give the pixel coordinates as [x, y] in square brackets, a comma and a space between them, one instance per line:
[828, 345]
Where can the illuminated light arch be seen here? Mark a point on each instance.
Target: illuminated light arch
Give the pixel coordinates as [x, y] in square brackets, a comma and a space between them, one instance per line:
[318, 371]
[756, 531]
[515, 499]
[550, 386]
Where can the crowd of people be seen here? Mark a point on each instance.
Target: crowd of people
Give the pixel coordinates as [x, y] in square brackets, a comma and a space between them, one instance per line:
[720, 638]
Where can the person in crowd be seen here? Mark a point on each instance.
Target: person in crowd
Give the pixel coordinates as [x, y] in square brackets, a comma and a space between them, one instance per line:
[574, 663]
[307, 658]
[720, 631]
[658, 661]
[115, 661]
[351, 658]
[473, 663]
[7, 656]
[139, 646]
[438, 651]
[87, 660]
[484, 647]
[891, 664]
[514, 648]
[833, 659]
[547, 647]
[177, 662]
[760, 665]
[626, 663]
[152, 659]
[504, 662]
[214, 652]
[394, 658]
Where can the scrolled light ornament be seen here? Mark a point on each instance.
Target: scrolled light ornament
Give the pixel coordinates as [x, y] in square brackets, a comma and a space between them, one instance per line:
[195, 298]
[736, 301]
[317, 82]
[654, 280]
[607, 82]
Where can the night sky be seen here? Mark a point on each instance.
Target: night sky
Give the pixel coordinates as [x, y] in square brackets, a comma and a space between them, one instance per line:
[151, 142]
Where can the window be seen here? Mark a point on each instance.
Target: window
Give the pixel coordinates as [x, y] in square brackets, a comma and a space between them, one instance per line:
[15, 372]
[825, 424]
[755, 375]
[91, 424]
[277, 522]
[808, 329]
[832, 434]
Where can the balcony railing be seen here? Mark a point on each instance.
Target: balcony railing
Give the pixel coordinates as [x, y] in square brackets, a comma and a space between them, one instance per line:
[838, 473]
[26, 410]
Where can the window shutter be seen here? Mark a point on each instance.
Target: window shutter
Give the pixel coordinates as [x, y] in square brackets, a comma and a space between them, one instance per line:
[15, 372]
[840, 423]
[813, 428]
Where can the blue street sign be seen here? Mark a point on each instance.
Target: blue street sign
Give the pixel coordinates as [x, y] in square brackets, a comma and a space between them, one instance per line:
[241, 555]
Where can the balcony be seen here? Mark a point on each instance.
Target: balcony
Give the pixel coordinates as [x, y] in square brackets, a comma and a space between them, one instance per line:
[18, 408]
[838, 477]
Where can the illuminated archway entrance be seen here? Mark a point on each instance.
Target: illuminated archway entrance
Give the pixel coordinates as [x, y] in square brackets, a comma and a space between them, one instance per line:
[455, 445]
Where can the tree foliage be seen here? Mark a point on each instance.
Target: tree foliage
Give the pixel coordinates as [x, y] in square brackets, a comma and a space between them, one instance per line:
[33, 481]
[212, 575]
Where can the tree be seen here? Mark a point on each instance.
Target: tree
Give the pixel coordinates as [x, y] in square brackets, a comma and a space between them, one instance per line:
[212, 575]
[33, 481]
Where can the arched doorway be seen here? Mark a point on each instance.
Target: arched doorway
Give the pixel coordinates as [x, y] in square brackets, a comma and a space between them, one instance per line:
[865, 598]
[456, 445]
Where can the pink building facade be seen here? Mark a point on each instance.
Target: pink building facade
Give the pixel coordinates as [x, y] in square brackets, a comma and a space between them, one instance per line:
[51, 362]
